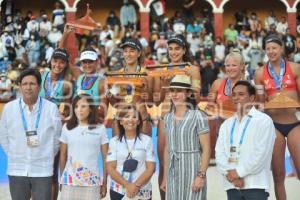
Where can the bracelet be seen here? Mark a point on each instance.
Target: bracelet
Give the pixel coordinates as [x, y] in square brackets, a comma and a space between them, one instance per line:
[201, 174]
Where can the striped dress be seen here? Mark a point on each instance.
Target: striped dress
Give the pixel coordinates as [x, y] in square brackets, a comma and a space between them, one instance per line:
[184, 154]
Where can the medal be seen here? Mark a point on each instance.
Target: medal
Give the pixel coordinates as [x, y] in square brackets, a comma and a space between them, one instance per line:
[128, 98]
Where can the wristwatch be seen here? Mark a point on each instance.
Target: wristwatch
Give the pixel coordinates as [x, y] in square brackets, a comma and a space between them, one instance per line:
[201, 174]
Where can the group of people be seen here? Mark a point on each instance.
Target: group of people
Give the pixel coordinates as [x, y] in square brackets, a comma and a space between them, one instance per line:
[59, 118]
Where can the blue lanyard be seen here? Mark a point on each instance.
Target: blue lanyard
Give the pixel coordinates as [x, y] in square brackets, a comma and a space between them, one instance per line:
[49, 92]
[243, 133]
[87, 83]
[277, 80]
[37, 118]
[228, 87]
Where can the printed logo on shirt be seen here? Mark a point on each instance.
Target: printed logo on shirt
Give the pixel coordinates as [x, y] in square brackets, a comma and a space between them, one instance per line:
[90, 133]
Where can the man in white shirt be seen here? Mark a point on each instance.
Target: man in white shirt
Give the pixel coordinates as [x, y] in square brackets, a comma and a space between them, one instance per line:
[244, 148]
[30, 128]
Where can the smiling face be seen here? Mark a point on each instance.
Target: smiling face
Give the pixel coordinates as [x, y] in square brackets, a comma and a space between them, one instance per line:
[130, 121]
[89, 66]
[82, 110]
[175, 52]
[274, 51]
[233, 67]
[131, 56]
[58, 65]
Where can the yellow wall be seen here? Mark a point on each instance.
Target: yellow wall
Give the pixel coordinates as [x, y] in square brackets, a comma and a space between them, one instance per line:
[260, 7]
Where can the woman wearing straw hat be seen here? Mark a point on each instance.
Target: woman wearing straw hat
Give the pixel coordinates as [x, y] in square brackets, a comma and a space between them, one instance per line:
[187, 149]
[178, 52]
[280, 77]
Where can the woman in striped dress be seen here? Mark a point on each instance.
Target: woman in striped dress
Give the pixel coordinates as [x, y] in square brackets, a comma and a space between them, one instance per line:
[187, 149]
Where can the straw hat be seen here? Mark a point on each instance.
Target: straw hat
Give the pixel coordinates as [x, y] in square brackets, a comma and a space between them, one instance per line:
[181, 82]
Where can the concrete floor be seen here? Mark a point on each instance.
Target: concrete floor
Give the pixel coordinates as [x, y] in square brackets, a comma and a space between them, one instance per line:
[215, 188]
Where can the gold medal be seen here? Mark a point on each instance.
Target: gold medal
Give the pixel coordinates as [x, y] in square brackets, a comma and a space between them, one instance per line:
[128, 98]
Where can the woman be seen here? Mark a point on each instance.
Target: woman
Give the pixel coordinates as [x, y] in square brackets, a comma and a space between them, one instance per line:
[141, 96]
[57, 87]
[130, 160]
[178, 52]
[88, 81]
[220, 92]
[281, 76]
[187, 149]
[82, 141]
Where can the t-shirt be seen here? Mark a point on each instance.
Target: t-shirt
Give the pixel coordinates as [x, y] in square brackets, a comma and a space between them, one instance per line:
[82, 168]
[142, 152]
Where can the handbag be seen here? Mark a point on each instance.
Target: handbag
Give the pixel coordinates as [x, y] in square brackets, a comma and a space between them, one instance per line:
[130, 164]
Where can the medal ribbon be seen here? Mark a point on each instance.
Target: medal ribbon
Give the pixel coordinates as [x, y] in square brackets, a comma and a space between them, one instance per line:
[277, 80]
[86, 84]
[37, 121]
[49, 92]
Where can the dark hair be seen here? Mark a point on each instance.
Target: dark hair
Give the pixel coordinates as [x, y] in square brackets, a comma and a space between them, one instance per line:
[31, 72]
[122, 112]
[250, 88]
[59, 53]
[92, 117]
[187, 57]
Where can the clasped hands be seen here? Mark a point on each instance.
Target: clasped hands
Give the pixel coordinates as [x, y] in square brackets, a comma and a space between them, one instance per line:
[233, 177]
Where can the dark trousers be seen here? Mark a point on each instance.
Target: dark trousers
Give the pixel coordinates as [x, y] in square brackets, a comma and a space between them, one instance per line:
[23, 188]
[115, 196]
[247, 194]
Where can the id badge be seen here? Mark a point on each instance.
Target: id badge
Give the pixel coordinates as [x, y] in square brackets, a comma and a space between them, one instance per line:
[32, 139]
[234, 155]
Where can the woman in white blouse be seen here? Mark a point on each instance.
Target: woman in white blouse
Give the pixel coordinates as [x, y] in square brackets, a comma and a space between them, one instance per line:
[82, 141]
[130, 158]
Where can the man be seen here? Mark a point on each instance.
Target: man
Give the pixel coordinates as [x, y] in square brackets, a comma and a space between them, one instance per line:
[30, 127]
[244, 148]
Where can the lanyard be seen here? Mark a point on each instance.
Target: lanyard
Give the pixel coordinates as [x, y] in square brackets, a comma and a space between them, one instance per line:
[228, 87]
[49, 92]
[130, 151]
[37, 118]
[86, 84]
[277, 80]
[243, 133]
